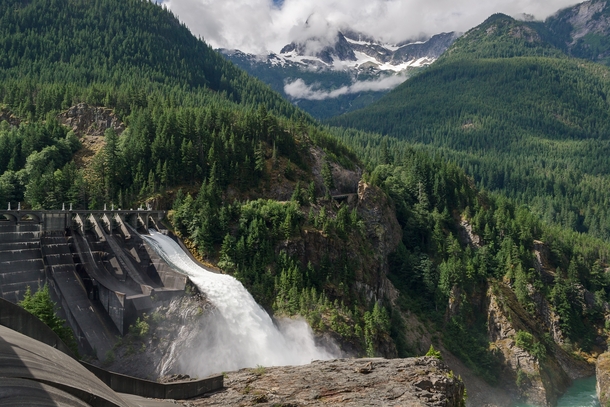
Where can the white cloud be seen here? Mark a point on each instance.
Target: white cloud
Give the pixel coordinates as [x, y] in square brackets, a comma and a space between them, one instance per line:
[298, 89]
[260, 26]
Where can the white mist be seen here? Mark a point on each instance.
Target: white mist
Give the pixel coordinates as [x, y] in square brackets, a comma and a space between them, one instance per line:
[239, 333]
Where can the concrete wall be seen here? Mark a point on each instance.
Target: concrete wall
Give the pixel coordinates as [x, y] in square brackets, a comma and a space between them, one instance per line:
[93, 331]
[21, 262]
[114, 304]
[25, 358]
[56, 221]
[36, 248]
[16, 318]
[157, 267]
[145, 388]
[79, 335]
[59, 220]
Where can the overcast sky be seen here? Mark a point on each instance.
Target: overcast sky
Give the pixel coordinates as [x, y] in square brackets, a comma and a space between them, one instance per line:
[260, 26]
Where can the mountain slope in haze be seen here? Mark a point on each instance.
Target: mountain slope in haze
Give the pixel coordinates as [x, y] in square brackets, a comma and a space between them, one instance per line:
[583, 30]
[518, 114]
[333, 79]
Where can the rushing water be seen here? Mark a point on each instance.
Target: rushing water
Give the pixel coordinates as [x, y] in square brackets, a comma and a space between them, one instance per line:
[581, 394]
[240, 334]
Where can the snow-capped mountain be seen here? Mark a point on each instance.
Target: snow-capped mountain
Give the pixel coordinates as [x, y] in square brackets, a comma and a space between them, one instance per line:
[328, 78]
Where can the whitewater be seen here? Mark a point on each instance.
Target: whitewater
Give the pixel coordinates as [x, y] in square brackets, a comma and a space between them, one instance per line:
[239, 333]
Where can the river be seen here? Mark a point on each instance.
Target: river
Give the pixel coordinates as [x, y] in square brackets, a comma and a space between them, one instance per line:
[581, 394]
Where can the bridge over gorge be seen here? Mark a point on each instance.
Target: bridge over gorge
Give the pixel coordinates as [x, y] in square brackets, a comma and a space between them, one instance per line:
[100, 271]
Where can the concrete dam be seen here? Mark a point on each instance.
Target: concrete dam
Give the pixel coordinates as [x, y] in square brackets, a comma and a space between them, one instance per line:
[98, 268]
[107, 268]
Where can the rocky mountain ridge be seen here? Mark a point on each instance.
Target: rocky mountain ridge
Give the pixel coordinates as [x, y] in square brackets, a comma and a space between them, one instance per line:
[583, 30]
[353, 50]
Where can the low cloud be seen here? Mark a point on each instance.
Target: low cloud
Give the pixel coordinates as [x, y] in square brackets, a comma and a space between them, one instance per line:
[298, 89]
[263, 26]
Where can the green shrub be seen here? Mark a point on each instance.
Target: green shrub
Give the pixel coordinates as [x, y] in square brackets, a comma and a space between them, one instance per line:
[434, 353]
[527, 342]
[41, 305]
[521, 377]
[140, 328]
[109, 358]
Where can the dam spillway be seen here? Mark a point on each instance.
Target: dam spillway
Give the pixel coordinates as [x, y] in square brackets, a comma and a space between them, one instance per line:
[239, 333]
[98, 268]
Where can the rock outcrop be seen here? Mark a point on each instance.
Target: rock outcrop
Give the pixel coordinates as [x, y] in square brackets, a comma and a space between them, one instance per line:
[87, 120]
[89, 124]
[345, 180]
[8, 116]
[155, 351]
[381, 236]
[603, 379]
[382, 230]
[586, 18]
[414, 382]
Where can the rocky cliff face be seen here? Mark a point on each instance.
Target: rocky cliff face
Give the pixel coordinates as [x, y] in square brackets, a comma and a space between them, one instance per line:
[583, 30]
[151, 349]
[345, 180]
[383, 232]
[87, 120]
[415, 382]
[539, 380]
[89, 124]
[538, 376]
[368, 252]
[586, 18]
[603, 379]
[528, 340]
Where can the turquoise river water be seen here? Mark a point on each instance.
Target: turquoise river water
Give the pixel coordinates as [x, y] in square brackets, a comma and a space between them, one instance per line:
[580, 394]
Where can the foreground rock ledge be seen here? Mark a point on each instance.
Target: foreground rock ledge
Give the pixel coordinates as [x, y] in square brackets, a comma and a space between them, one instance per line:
[415, 382]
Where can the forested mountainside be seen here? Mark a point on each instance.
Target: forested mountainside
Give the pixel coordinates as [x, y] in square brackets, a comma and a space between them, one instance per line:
[488, 272]
[140, 61]
[408, 252]
[119, 55]
[517, 114]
